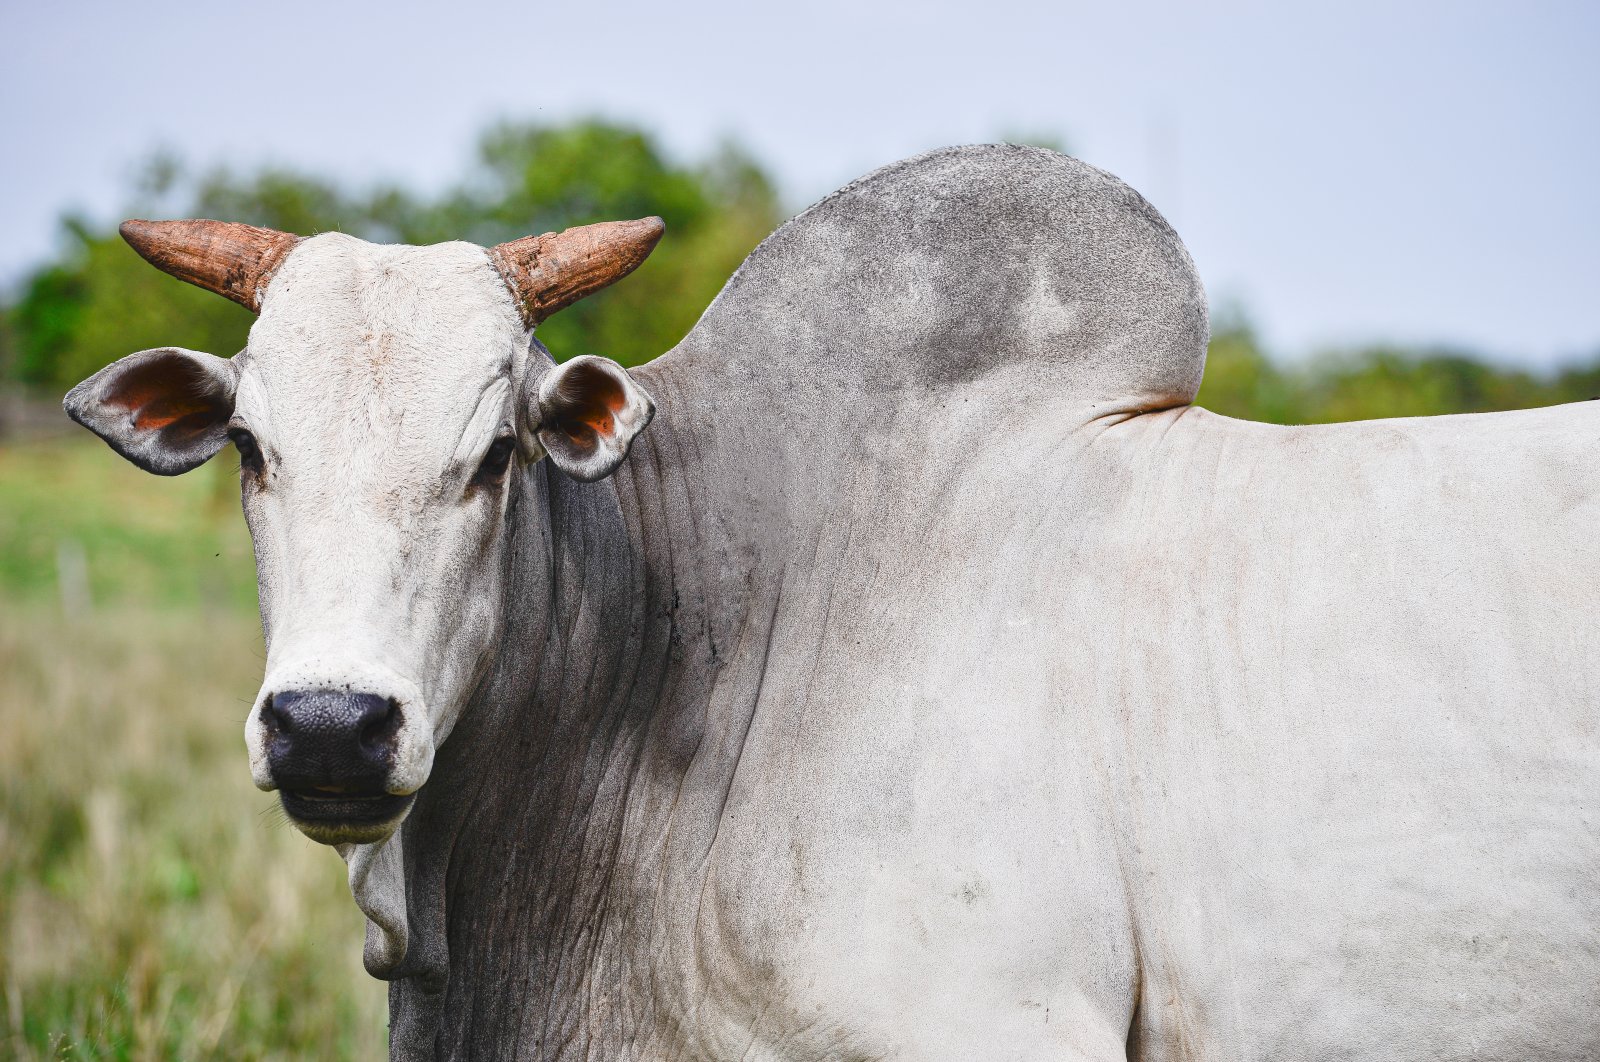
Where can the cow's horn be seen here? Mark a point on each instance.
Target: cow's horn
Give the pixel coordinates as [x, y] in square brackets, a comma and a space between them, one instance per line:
[551, 272]
[233, 260]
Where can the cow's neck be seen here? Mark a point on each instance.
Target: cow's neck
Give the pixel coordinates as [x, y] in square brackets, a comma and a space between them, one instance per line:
[582, 790]
[513, 848]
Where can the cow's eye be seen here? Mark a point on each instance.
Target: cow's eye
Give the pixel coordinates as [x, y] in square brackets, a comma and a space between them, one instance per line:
[249, 452]
[495, 462]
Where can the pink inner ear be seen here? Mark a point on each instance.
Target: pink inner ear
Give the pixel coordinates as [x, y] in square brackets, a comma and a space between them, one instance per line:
[162, 395]
[158, 413]
[593, 399]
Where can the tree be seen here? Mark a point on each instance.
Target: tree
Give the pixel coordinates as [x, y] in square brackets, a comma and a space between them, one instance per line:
[99, 301]
[1372, 382]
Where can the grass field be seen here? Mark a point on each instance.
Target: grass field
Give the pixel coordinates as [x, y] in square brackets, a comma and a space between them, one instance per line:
[152, 903]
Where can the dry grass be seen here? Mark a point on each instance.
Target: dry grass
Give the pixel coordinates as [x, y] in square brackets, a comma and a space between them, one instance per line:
[152, 903]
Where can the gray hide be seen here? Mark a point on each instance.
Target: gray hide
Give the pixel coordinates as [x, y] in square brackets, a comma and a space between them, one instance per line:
[933, 682]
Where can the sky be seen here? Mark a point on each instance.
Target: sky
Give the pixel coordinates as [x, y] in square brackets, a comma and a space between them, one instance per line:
[1342, 173]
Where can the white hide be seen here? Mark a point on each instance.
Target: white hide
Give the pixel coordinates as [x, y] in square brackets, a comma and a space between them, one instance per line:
[374, 382]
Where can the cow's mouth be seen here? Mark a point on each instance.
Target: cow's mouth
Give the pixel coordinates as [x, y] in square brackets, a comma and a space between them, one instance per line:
[342, 816]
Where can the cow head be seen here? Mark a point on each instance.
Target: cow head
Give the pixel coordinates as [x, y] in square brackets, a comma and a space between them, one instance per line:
[382, 409]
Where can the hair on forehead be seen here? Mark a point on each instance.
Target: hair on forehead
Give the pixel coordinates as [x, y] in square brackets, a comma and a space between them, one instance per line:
[419, 317]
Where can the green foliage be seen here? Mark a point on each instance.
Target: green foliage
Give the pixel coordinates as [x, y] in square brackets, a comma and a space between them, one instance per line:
[99, 301]
[543, 179]
[1242, 381]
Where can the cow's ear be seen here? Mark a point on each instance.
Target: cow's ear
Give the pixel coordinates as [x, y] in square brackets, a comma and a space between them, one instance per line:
[166, 410]
[590, 410]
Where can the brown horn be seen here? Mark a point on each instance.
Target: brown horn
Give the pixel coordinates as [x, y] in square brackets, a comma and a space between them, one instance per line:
[551, 272]
[235, 261]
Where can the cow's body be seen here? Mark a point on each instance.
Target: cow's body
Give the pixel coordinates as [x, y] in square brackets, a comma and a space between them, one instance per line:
[947, 715]
[932, 682]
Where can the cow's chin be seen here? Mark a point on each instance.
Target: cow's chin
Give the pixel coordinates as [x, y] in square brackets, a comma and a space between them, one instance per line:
[341, 819]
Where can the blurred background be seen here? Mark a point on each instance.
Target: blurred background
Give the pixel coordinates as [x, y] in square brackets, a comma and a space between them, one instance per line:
[1393, 208]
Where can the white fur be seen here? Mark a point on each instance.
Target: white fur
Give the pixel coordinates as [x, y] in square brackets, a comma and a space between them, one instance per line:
[374, 381]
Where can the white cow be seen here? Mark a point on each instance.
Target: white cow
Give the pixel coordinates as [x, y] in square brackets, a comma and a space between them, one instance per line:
[932, 681]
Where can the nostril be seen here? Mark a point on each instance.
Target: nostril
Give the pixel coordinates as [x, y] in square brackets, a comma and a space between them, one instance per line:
[270, 719]
[381, 731]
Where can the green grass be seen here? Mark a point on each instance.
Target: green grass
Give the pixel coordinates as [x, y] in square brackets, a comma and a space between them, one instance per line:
[153, 904]
[148, 540]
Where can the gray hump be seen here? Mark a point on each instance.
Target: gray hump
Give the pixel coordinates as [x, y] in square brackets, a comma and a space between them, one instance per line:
[938, 269]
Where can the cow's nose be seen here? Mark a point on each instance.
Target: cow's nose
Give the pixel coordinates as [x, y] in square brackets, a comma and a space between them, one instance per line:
[330, 739]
